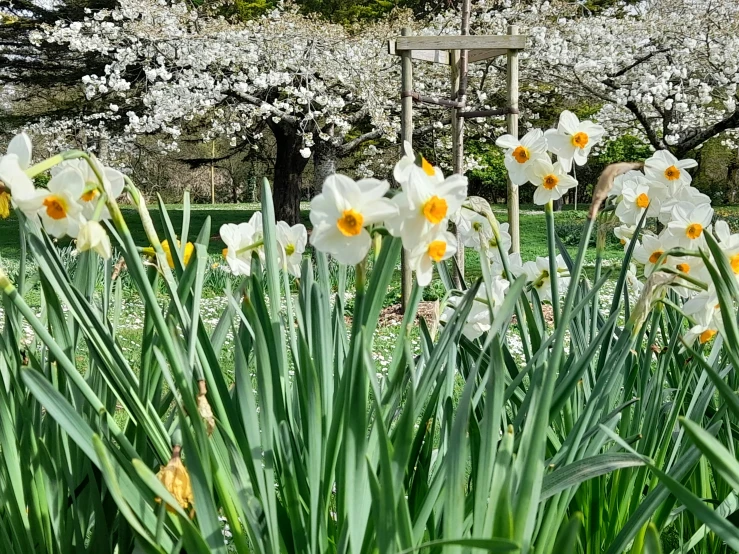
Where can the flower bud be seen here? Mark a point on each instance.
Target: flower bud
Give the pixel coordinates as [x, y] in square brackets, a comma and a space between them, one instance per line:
[176, 479]
[204, 409]
[92, 236]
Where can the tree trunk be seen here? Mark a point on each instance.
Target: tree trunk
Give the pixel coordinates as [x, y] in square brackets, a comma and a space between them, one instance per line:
[324, 161]
[288, 178]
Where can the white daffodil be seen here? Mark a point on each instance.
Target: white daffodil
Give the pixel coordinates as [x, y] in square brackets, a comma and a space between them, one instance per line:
[257, 223]
[665, 168]
[625, 233]
[637, 196]
[687, 225]
[724, 236]
[92, 236]
[58, 207]
[537, 273]
[291, 242]
[474, 228]
[691, 266]
[703, 308]
[687, 197]
[495, 246]
[424, 205]
[112, 183]
[407, 165]
[342, 211]
[651, 248]
[238, 239]
[551, 181]
[15, 179]
[479, 319]
[436, 246]
[521, 155]
[620, 180]
[700, 333]
[633, 281]
[573, 139]
[21, 146]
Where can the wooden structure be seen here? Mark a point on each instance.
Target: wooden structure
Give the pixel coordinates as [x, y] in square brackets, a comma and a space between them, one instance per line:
[457, 52]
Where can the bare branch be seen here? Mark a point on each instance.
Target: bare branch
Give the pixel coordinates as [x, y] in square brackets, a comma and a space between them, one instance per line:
[654, 140]
[352, 145]
[730, 122]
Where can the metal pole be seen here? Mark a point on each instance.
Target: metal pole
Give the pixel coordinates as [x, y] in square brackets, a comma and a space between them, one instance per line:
[406, 132]
[512, 121]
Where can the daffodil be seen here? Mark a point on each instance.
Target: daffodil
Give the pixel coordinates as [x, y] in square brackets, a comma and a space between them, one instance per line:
[688, 224]
[58, 207]
[625, 233]
[650, 250]
[291, 241]
[176, 480]
[704, 308]
[341, 213]
[411, 163]
[700, 333]
[639, 196]
[482, 313]
[189, 249]
[573, 139]
[538, 274]
[238, 239]
[257, 223]
[14, 178]
[112, 183]
[474, 229]
[665, 168]
[4, 205]
[424, 205]
[620, 180]
[436, 246]
[687, 197]
[92, 236]
[551, 181]
[521, 156]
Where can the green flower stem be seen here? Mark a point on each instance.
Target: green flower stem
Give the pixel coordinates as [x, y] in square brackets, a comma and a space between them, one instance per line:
[553, 276]
[250, 247]
[46, 165]
[600, 245]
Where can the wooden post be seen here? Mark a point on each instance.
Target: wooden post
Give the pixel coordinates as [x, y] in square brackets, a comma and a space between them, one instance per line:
[512, 121]
[406, 133]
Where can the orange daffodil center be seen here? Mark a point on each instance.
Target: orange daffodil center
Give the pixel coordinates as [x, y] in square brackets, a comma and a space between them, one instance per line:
[672, 173]
[89, 196]
[350, 223]
[734, 261]
[706, 335]
[435, 209]
[655, 256]
[580, 140]
[694, 230]
[521, 154]
[685, 268]
[428, 169]
[436, 250]
[550, 181]
[642, 201]
[56, 206]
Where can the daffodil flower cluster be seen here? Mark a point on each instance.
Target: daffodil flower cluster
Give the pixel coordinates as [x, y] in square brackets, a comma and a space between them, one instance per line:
[73, 202]
[663, 191]
[528, 159]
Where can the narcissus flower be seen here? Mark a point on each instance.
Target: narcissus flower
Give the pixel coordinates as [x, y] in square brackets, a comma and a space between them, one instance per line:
[112, 183]
[521, 156]
[291, 242]
[435, 247]
[688, 224]
[411, 163]
[665, 168]
[92, 236]
[14, 178]
[551, 181]
[176, 480]
[573, 139]
[58, 207]
[651, 249]
[238, 239]
[637, 196]
[341, 213]
[538, 274]
[483, 311]
[474, 228]
[4, 205]
[688, 197]
[424, 205]
[189, 249]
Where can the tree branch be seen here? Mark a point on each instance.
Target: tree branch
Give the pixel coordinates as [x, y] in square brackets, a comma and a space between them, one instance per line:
[352, 145]
[654, 140]
[730, 122]
[291, 119]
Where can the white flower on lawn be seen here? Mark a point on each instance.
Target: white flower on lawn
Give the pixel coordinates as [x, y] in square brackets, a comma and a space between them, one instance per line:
[687, 197]
[479, 319]
[21, 146]
[58, 207]
[494, 246]
[407, 165]
[342, 211]
[537, 273]
[436, 246]
[515, 265]
[665, 168]
[257, 223]
[237, 238]
[573, 139]
[92, 236]
[691, 266]
[291, 242]
[633, 280]
[687, 225]
[474, 228]
[113, 183]
[650, 250]
[551, 181]
[424, 205]
[638, 196]
[521, 155]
